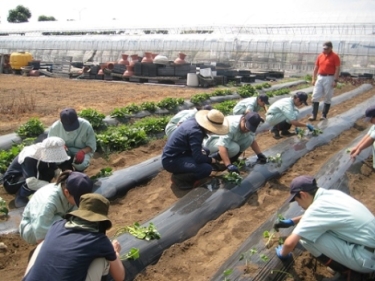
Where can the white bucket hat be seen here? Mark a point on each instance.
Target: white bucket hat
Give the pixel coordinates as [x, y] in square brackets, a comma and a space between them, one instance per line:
[213, 120]
[53, 150]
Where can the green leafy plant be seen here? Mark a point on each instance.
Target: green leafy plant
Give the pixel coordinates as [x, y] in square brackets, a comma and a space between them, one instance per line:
[7, 156]
[133, 254]
[226, 273]
[281, 271]
[105, 172]
[316, 132]
[32, 128]
[170, 103]
[149, 106]
[220, 92]
[300, 133]
[141, 232]
[246, 91]
[348, 150]
[281, 241]
[3, 207]
[232, 177]
[199, 98]
[226, 107]
[275, 159]
[280, 217]
[308, 77]
[246, 255]
[94, 117]
[152, 124]
[240, 163]
[264, 258]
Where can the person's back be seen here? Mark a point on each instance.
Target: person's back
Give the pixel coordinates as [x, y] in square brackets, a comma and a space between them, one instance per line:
[280, 110]
[178, 119]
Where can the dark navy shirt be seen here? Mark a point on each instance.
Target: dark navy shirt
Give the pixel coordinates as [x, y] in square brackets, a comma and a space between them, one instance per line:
[186, 140]
[66, 254]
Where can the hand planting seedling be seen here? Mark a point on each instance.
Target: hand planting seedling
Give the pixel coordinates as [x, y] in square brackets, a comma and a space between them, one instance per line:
[275, 159]
[133, 254]
[316, 132]
[232, 177]
[3, 207]
[141, 232]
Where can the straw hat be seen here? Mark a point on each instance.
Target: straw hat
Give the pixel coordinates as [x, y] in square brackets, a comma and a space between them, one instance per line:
[213, 120]
[93, 207]
[53, 150]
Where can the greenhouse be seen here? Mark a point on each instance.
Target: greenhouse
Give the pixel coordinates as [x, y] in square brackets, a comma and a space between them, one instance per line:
[290, 47]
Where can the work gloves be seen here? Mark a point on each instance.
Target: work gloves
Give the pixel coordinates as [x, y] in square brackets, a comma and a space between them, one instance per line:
[283, 224]
[79, 157]
[281, 257]
[233, 168]
[262, 159]
[310, 127]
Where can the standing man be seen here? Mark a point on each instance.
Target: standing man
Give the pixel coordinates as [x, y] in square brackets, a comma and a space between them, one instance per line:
[284, 113]
[183, 154]
[369, 138]
[336, 229]
[325, 78]
[253, 104]
[79, 137]
[241, 135]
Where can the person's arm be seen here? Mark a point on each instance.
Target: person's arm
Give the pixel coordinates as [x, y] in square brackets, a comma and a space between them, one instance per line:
[116, 268]
[255, 147]
[224, 155]
[289, 244]
[315, 74]
[296, 219]
[297, 123]
[336, 76]
[366, 141]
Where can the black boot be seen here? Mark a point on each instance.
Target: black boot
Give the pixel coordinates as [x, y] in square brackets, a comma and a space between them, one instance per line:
[315, 111]
[183, 181]
[22, 199]
[325, 111]
[275, 133]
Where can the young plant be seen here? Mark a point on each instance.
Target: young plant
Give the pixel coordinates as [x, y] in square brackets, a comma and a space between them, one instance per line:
[149, 106]
[316, 132]
[226, 273]
[3, 207]
[275, 159]
[269, 235]
[264, 258]
[246, 255]
[283, 272]
[32, 128]
[240, 163]
[105, 172]
[232, 177]
[348, 150]
[133, 254]
[226, 107]
[94, 117]
[280, 217]
[141, 232]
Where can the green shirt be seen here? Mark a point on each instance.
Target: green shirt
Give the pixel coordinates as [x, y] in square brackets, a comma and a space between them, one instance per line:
[248, 104]
[283, 109]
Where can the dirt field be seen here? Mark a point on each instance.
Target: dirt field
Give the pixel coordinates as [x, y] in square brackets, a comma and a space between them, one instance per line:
[199, 257]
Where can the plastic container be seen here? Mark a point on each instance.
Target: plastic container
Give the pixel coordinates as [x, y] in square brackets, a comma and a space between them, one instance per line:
[192, 80]
[21, 59]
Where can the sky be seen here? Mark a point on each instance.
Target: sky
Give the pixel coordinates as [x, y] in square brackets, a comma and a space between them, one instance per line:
[191, 12]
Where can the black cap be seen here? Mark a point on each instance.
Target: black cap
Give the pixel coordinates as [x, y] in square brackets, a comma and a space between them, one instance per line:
[302, 183]
[78, 184]
[370, 112]
[264, 98]
[302, 97]
[69, 119]
[252, 120]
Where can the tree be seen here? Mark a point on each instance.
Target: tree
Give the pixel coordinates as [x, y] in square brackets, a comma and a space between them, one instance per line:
[19, 14]
[45, 18]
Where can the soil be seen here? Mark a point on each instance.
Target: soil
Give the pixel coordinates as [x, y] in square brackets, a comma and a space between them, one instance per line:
[199, 257]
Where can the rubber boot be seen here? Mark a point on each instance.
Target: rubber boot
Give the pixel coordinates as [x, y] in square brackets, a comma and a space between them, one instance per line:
[22, 199]
[183, 181]
[275, 133]
[315, 111]
[325, 111]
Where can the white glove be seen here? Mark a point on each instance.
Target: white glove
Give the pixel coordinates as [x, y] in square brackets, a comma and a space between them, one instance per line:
[34, 184]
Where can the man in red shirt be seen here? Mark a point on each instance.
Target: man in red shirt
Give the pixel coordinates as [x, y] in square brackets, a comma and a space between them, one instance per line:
[324, 80]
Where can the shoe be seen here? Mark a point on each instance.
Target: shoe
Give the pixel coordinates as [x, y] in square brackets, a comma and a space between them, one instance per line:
[20, 201]
[218, 167]
[323, 118]
[276, 134]
[286, 133]
[312, 118]
[182, 181]
[200, 182]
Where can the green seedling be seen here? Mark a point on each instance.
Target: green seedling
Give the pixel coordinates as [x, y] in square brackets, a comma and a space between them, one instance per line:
[269, 235]
[240, 163]
[264, 258]
[348, 150]
[300, 133]
[281, 271]
[280, 217]
[316, 132]
[226, 273]
[246, 255]
[232, 177]
[141, 232]
[3, 207]
[133, 254]
[281, 241]
[105, 172]
[275, 159]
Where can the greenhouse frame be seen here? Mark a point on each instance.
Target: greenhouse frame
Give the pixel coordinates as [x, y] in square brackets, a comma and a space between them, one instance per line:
[289, 47]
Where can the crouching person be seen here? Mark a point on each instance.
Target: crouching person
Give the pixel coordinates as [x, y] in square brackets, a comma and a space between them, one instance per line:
[335, 228]
[77, 247]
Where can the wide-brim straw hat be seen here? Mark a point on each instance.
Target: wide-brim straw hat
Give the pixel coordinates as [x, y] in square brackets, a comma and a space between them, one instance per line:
[53, 150]
[213, 120]
[93, 207]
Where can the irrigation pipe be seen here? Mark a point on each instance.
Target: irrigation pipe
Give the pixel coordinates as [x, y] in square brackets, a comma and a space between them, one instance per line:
[184, 218]
[330, 176]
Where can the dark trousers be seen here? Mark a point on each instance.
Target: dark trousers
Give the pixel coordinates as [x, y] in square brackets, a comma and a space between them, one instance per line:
[13, 183]
[283, 126]
[184, 165]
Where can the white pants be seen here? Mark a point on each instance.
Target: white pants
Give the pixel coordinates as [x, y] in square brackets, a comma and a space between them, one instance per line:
[98, 267]
[323, 88]
[350, 255]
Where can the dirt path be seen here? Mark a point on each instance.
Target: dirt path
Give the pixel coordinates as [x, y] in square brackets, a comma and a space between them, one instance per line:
[199, 257]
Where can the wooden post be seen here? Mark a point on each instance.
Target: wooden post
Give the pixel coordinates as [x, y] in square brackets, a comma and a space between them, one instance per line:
[1, 63]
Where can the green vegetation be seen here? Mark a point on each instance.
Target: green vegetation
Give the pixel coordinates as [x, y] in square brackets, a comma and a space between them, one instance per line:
[133, 254]
[199, 98]
[32, 128]
[226, 107]
[3, 207]
[94, 117]
[152, 125]
[105, 172]
[226, 273]
[246, 91]
[141, 232]
[232, 177]
[7, 156]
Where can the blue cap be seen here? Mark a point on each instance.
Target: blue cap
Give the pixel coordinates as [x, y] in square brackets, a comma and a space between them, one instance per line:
[78, 184]
[370, 112]
[69, 119]
[302, 97]
[302, 183]
[252, 120]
